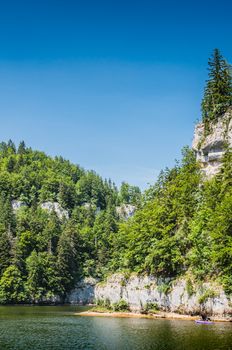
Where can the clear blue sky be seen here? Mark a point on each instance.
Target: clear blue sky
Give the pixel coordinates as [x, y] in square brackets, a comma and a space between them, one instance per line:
[114, 86]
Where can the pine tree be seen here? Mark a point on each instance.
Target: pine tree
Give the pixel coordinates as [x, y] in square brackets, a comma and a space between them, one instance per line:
[68, 259]
[11, 286]
[5, 251]
[11, 147]
[7, 216]
[21, 148]
[218, 90]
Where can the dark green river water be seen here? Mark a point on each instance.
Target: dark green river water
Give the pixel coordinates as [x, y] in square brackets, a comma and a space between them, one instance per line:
[56, 328]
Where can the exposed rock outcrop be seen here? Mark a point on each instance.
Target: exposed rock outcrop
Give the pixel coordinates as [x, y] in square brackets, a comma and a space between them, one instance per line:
[49, 206]
[84, 293]
[16, 205]
[125, 211]
[138, 291]
[91, 206]
[210, 149]
[56, 207]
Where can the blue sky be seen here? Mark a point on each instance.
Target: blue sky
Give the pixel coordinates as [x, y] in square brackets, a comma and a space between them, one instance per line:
[114, 86]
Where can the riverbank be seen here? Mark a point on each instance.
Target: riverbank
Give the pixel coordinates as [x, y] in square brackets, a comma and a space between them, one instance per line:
[180, 296]
[158, 315]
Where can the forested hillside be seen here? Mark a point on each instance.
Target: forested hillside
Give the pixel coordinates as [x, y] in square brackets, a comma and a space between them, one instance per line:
[42, 253]
[182, 225]
[184, 228]
[185, 224]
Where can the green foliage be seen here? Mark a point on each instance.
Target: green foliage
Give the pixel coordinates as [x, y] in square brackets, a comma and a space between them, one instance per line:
[121, 305]
[129, 194]
[52, 253]
[12, 286]
[208, 294]
[182, 225]
[164, 288]
[104, 305]
[218, 92]
[7, 217]
[68, 258]
[150, 308]
[43, 279]
[93, 190]
[155, 240]
[5, 251]
[189, 287]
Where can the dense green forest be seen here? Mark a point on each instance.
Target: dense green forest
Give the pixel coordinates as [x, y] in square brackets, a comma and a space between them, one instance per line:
[182, 225]
[41, 253]
[185, 226]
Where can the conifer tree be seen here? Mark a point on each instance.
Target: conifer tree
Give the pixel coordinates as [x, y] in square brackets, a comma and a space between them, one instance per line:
[7, 216]
[5, 251]
[11, 147]
[21, 148]
[218, 91]
[68, 258]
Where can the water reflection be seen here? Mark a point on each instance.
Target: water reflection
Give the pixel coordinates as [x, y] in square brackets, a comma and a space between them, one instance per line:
[27, 328]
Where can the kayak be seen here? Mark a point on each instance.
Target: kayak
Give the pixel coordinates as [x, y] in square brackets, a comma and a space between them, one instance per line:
[204, 322]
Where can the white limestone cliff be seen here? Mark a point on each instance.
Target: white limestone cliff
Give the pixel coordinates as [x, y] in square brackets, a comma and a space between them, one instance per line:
[125, 211]
[84, 293]
[56, 207]
[17, 204]
[210, 149]
[49, 206]
[138, 291]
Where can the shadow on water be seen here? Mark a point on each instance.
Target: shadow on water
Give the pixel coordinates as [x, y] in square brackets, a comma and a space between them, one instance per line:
[56, 327]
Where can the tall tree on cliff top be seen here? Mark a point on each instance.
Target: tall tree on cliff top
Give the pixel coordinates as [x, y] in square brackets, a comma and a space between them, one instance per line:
[218, 90]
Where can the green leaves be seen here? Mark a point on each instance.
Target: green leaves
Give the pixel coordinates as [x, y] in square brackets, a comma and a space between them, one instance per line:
[181, 225]
[43, 278]
[11, 286]
[52, 253]
[68, 257]
[129, 194]
[185, 225]
[218, 91]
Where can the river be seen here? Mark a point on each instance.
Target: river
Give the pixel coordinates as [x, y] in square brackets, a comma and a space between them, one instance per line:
[56, 328]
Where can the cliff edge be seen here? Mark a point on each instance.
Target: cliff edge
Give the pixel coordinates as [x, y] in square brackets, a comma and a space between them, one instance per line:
[210, 148]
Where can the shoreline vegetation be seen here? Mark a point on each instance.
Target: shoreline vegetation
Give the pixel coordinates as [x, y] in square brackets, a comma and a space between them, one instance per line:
[95, 312]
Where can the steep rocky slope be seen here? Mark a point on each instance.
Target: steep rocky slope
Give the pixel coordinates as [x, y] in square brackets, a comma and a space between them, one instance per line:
[181, 295]
[210, 149]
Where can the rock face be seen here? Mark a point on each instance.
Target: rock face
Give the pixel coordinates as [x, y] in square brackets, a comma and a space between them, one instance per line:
[56, 207]
[16, 205]
[84, 293]
[138, 291]
[49, 206]
[125, 211]
[89, 206]
[210, 149]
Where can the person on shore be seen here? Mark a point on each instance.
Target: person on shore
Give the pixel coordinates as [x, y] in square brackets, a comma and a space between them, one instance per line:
[204, 316]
